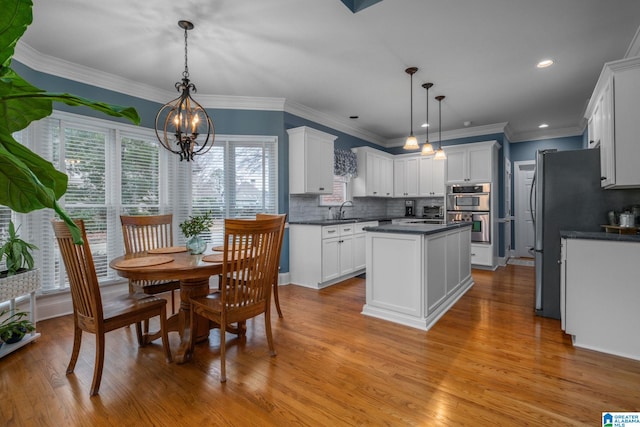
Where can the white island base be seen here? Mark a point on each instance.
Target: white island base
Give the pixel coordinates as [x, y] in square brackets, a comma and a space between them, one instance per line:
[415, 273]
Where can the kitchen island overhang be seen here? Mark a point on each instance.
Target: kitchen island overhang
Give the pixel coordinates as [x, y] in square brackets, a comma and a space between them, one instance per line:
[415, 273]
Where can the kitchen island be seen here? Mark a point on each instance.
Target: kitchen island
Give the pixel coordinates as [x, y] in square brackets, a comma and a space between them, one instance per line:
[416, 272]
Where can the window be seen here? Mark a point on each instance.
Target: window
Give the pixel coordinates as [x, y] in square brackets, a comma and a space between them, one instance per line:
[340, 192]
[116, 169]
[112, 169]
[237, 178]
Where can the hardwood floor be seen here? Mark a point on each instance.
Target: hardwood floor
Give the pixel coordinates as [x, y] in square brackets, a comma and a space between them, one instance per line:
[488, 361]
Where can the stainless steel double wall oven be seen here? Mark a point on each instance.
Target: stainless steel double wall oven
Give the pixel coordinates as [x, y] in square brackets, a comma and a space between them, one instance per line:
[471, 203]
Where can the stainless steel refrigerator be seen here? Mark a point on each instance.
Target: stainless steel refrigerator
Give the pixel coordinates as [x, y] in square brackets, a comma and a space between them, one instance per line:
[566, 195]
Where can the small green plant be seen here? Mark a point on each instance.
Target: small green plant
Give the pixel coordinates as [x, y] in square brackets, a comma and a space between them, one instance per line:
[197, 224]
[16, 252]
[13, 328]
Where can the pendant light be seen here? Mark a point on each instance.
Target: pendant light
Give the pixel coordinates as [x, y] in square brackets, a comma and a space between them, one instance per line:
[412, 141]
[440, 154]
[427, 148]
[181, 122]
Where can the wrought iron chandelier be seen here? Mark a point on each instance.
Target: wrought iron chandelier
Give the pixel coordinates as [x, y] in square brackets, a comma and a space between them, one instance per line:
[180, 122]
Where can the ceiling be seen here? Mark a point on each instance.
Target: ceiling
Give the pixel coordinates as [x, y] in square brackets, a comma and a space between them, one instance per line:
[480, 54]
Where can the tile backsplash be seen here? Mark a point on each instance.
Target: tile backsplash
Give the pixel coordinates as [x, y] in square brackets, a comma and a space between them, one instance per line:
[306, 207]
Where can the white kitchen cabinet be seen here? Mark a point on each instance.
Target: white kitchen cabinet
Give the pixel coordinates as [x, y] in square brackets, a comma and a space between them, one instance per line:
[614, 127]
[431, 177]
[470, 163]
[359, 249]
[323, 255]
[375, 173]
[482, 254]
[337, 251]
[310, 161]
[599, 295]
[405, 177]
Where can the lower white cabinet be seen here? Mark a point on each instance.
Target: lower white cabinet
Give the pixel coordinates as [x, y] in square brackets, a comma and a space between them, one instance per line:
[599, 295]
[482, 254]
[323, 255]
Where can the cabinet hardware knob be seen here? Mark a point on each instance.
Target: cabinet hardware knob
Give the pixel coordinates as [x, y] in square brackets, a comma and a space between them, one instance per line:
[321, 188]
[602, 178]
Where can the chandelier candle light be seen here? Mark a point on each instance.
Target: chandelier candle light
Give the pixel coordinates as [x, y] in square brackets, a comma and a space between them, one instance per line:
[440, 154]
[412, 141]
[180, 122]
[427, 148]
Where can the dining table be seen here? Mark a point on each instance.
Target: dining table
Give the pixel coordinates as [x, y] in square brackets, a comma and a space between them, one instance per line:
[175, 263]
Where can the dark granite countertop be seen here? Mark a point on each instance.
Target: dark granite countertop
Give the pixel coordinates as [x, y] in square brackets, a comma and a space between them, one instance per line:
[416, 228]
[600, 235]
[340, 221]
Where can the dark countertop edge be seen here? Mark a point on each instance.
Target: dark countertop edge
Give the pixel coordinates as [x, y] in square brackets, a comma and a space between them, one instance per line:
[416, 229]
[340, 221]
[600, 235]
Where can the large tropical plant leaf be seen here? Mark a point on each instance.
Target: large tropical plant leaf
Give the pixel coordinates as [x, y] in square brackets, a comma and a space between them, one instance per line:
[30, 182]
[16, 16]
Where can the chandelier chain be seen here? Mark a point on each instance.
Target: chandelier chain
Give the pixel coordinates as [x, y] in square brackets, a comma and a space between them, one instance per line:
[185, 73]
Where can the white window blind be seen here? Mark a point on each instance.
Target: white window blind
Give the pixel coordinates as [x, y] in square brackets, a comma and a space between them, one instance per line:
[111, 171]
[139, 163]
[237, 178]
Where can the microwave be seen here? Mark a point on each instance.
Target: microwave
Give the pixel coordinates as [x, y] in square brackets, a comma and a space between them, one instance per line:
[469, 198]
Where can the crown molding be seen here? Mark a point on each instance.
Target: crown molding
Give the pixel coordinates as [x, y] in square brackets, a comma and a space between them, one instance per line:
[457, 133]
[332, 122]
[31, 58]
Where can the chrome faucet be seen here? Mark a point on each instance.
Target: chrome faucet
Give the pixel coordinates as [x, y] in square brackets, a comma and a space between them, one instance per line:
[341, 212]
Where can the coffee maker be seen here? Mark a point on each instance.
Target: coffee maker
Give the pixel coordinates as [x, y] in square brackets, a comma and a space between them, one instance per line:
[409, 208]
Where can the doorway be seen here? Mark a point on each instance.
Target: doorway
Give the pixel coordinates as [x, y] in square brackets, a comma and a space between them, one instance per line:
[524, 231]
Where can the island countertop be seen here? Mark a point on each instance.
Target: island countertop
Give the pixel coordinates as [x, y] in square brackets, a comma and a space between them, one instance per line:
[417, 228]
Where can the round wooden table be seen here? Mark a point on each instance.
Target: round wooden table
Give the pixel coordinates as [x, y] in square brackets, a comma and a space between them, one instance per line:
[193, 274]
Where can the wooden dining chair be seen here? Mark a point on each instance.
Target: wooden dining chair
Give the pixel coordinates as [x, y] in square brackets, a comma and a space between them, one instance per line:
[92, 314]
[143, 233]
[283, 219]
[250, 262]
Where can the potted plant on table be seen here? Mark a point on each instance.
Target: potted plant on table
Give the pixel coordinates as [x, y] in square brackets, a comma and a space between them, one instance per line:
[192, 227]
[14, 327]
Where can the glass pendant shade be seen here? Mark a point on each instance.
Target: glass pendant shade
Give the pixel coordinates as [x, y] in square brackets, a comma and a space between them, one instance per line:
[412, 142]
[440, 154]
[182, 125]
[427, 149]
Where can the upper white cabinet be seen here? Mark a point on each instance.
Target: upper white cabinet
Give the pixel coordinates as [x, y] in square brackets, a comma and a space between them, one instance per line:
[431, 177]
[470, 163]
[405, 177]
[613, 123]
[310, 161]
[375, 173]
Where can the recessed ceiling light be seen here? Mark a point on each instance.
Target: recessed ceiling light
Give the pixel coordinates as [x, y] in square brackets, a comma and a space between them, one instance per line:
[545, 63]
[425, 125]
[543, 125]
